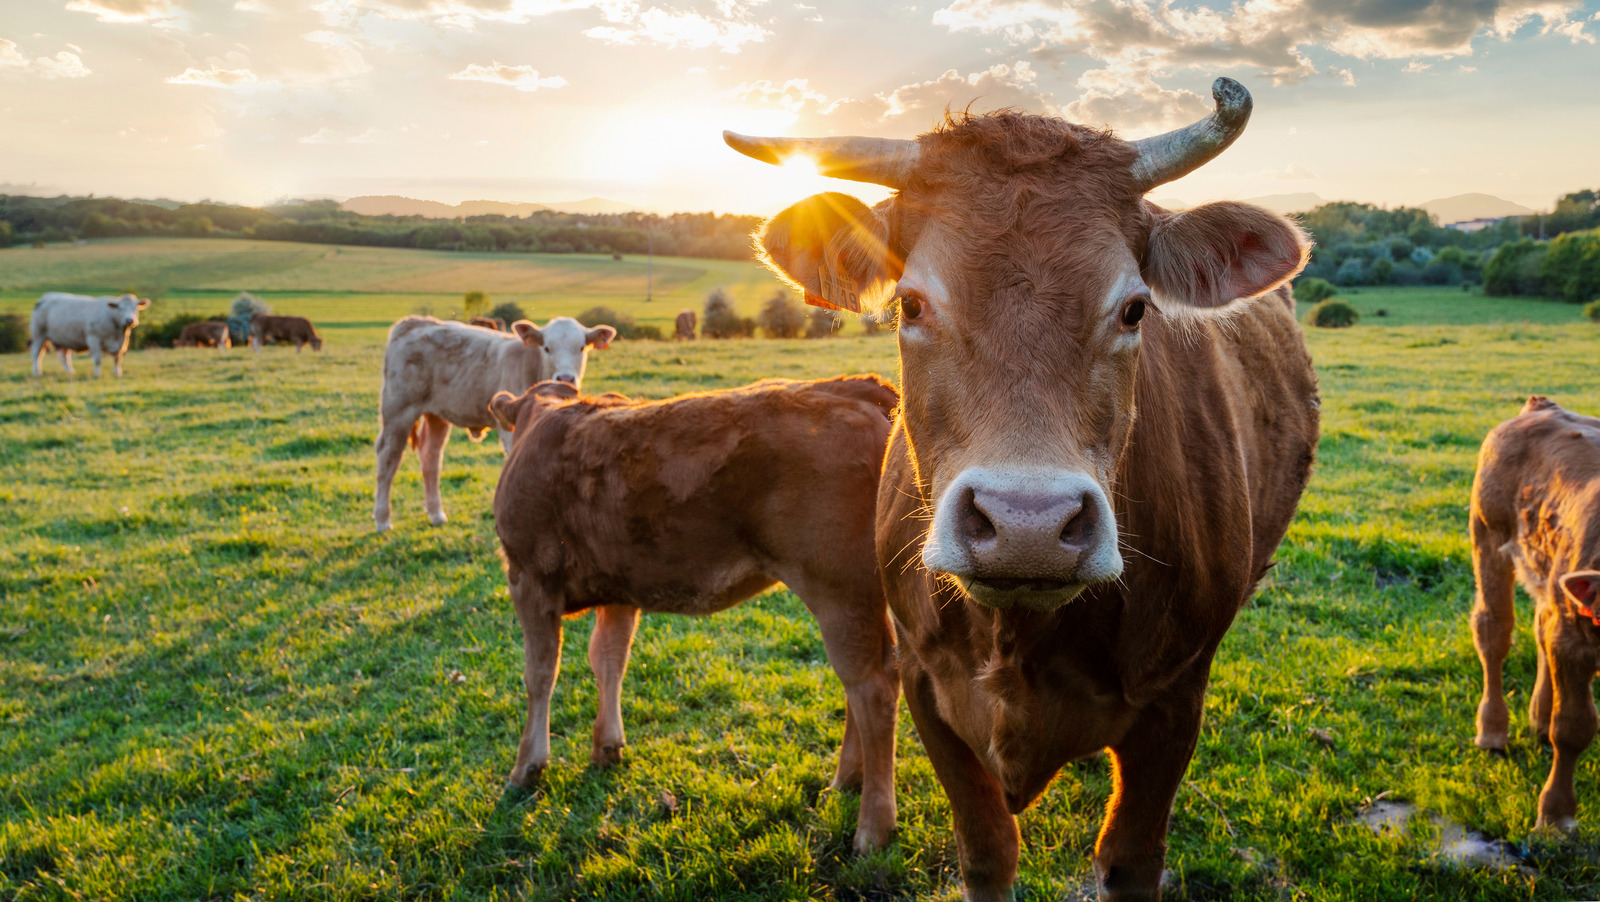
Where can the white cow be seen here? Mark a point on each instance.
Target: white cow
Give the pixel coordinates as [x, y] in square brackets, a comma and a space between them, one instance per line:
[438, 374]
[76, 322]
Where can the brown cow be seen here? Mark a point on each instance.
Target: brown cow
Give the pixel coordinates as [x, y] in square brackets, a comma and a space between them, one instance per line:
[486, 322]
[297, 329]
[207, 334]
[1091, 470]
[1535, 509]
[683, 326]
[690, 506]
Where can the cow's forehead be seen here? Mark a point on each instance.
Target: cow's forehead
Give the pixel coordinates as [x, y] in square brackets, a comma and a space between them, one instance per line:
[564, 331]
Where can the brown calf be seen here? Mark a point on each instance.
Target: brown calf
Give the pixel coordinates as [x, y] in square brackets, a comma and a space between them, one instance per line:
[683, 326]
[485, 322]
[208, 334]
[1536, 518]
[296, 329]
[690, 506]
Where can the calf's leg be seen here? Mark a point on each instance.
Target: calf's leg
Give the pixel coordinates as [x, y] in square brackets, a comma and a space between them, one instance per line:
[1572, 727]
[94, 353]
[541, 662]
[66, 360]
[1541, 700]
[1493, 619]
[391, 448]
[860, 641]
[609, 644]
[986, 833]
[36, 348]
[430, 451]
[1147, 766]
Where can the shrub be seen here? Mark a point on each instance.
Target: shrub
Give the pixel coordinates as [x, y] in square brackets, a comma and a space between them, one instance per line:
[1333, 313]
[474, 302]
[879, 321]
[720, 320]
[1313, 290]
[1382, 269]
[1591, 312]
[509, 312]
[1571, 268]
[622, 322]
[244, 307]
[1514, 268]
[822, 323]
[7, 233]
[1351, 272]
[13, 333]
[782, 316]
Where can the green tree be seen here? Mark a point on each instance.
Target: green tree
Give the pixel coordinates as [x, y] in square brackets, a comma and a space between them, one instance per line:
[1313, 290]
[1571, 268]
[782, 316]
[474, 302]
[1382, 269]
[1514, 268]
[7, 234]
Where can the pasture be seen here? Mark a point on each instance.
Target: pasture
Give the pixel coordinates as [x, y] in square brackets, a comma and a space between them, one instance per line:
[216, 682]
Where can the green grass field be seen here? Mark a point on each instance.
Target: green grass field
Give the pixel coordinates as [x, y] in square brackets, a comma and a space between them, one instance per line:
[216, 682]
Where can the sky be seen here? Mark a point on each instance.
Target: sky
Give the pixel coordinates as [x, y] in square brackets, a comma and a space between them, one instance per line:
[247, 101]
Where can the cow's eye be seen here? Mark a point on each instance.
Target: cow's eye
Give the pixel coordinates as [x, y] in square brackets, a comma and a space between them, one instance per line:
[1133, 311]
[910, 305]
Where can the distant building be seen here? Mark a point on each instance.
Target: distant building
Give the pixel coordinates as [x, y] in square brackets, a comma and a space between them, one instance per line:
[1474, 225]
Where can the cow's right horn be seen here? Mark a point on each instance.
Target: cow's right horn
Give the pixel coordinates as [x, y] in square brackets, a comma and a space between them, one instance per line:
[1167, 157]
[881, 161]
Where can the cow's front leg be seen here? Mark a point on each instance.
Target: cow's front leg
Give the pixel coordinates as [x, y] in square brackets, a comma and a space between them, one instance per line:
[435, 433]
[94, 354]
[36, 348]
[541, 662]
[614, 626]
[1147, 766]
[393, 434]
[1546, 622]
[987, 842]
[1493, 619]
[1572, 728]
[116, 361]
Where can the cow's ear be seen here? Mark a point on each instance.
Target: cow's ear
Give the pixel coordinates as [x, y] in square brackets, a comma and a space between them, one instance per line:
[143, 303]
[1581, 585]
[529, 333]
[1217, 252]
[835, 249]
[599, 337]
[553, 390]
[504, 407]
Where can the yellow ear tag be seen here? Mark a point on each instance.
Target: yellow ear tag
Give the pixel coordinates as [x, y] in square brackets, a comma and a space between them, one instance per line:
[838, 293]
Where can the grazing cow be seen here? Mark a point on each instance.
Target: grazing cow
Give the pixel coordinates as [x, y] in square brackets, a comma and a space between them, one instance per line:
[691, 506]
[296, 329]
[76, 322]
[683, 326]
[495, 323]
[436, 374]
[1091, 470]
[1535, 513]
[209, 334]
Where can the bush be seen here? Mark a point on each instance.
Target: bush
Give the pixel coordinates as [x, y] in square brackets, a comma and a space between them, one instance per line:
[1591, 312]
[1514, 268]
[1382, 270]
[13, 333]
[1313, 290]
[720, 320]
[474, 303]
[509, 312]
[622, 322]
[879, 321]
[822, 323]
[1351, 272]
[1333, 313]
[1571, 268]
[245, 306]
[782, 316]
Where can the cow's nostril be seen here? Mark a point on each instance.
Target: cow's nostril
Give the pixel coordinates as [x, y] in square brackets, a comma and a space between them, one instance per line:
[567, 378]
[1079, 529]
[975, 524]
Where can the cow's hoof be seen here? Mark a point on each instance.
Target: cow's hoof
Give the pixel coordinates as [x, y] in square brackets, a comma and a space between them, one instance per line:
[1491, 742]
[527, 778]
[606, 755]
[869, 840]
[438, 519]
[1564, 824]
[384, 525]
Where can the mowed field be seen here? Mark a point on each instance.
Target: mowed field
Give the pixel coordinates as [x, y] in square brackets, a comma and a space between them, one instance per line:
[216, 682]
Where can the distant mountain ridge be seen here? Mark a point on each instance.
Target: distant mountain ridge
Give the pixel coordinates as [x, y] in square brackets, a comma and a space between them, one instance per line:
[396, 205]
[1457, 208]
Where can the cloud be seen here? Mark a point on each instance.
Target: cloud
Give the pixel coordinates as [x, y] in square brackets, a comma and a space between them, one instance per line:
[523, 78]
[908, 109]
[327, 135]
[1416, 66]
[1126, 95]
[679, 29]
[214, 77]
[791, 96]
[63, 65]
[158, 12]
[322, 135]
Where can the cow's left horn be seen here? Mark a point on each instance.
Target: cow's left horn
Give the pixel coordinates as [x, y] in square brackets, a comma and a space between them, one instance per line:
[1171, 156]
[881, 161]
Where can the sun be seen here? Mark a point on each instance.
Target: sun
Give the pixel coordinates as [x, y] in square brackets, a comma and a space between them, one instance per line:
[800, 166]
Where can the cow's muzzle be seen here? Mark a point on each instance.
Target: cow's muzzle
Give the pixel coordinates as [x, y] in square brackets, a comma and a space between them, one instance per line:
[1032, 537]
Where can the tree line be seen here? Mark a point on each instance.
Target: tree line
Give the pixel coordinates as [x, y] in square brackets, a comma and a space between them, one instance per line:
[25, 219]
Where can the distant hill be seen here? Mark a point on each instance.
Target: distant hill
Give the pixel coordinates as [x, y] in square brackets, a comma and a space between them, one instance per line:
[1463, 207]
[395, 205]
[1277, 203]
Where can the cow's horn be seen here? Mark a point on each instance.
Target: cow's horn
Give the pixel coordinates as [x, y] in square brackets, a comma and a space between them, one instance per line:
[881, 161]
[1164, 158]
